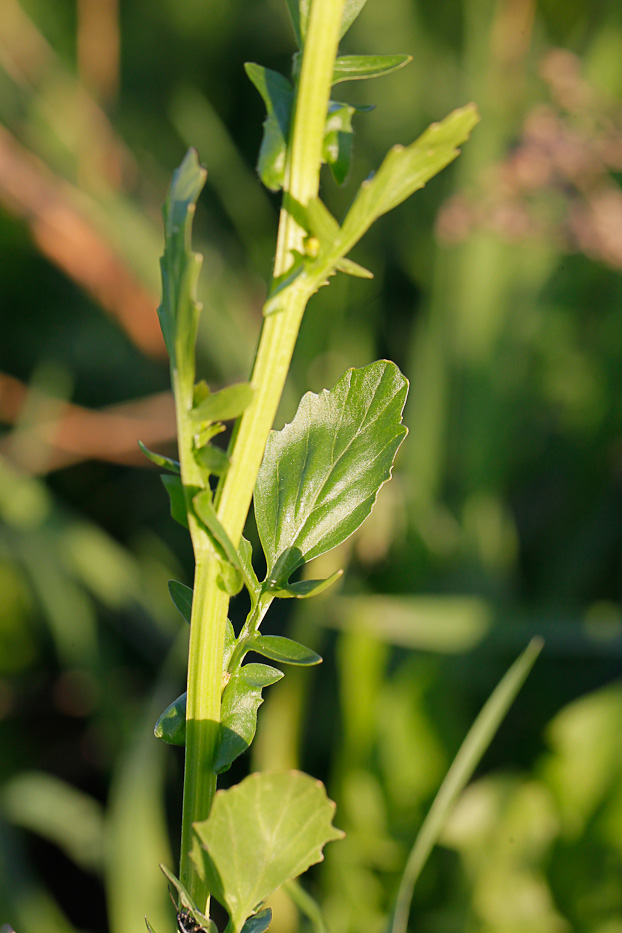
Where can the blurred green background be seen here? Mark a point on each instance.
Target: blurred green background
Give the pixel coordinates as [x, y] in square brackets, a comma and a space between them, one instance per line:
[498, 291]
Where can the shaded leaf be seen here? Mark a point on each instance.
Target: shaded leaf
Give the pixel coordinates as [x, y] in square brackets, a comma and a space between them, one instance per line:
[171, 724]
[180, 267]
[212, 459]
[259, 922]
[245, 554]
[182, 597]
[175, 490]
[337, 145]
[304, 589]
[165, 462]
[359, 67]
[224, 405]
[278, 96]
[240, 701]
[259, 834]
[232, 572]
[321, 474]
[278, 648]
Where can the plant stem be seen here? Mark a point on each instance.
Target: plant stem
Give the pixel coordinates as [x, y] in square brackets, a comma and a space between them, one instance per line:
[278, 337]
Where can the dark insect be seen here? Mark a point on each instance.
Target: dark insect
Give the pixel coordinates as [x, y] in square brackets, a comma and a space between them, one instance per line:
[186, 922]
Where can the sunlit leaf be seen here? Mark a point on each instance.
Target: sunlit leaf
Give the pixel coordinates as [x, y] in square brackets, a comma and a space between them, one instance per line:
[224, 405]
[278, 648]
[212, 459]
[232, 572]
[240, 701]
[259, 834]
[353, 268]
[359, 67]
[165, 462]
[321, 474]
[175, 490]
[245, 554]
[406, 169]
[351, 10]
[278, 96]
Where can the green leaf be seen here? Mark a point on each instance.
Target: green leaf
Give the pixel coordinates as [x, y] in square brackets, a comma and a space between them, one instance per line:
[186, 904]
[478, 739]
[240, 701]
[322, 224]
[351, 10]
[406, 169]
[337, 145]
[224, 405]
[353, 268]
[359, 67]
[245, 553]
[165, 462]
[294, 12]
[171, 725]
[284, 650]
[149, 927]
[278, 96]
[304, 589]
[269, 828]
[232, 572]
[259, 922]
[180, 267]
[321, 474]
[182, 597]
[175, 490]
[212, 459]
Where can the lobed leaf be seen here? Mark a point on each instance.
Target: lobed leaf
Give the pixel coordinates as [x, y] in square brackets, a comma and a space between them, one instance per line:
[321, 474]
[179, 309]
[359, 67]
[278, 96]
[240, 701]
[175, 490]
[406, 169]
[165, 462]
[269, 828]
[278, 648]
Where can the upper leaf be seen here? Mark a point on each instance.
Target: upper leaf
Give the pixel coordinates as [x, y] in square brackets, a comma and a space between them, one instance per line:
[406, 169]
[159, 459]
[278, 96]
[259, 834]
[179, 310]
[321, 474]
[299, 11]
[359, 67]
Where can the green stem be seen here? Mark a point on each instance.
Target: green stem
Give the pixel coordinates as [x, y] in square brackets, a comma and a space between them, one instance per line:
[272, 362]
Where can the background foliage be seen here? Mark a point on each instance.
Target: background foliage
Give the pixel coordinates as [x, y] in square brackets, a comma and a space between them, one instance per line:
[497, 290]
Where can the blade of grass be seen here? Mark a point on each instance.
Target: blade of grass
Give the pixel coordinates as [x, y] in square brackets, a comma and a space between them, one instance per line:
[478, 738]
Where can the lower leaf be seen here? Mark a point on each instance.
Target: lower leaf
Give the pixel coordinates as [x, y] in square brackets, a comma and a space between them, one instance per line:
[240, 701]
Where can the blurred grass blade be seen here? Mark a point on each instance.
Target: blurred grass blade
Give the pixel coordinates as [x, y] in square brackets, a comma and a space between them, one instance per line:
[478, 739]
[306, 905]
